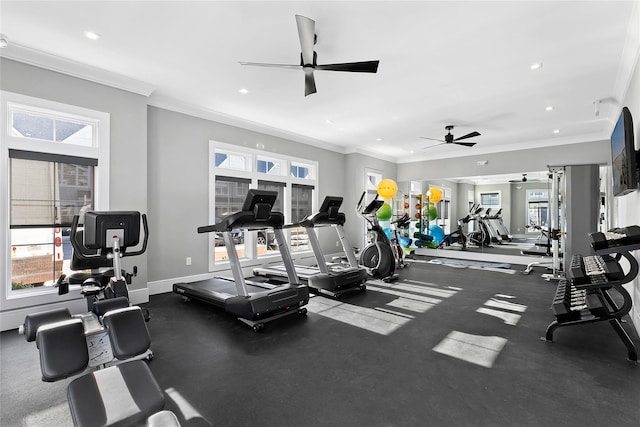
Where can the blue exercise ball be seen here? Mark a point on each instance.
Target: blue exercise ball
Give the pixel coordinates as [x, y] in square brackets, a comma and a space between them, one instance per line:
[437, 233]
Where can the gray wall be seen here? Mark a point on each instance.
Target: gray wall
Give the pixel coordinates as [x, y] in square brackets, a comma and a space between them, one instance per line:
[128, 111]
[510, 162]
[179, 185]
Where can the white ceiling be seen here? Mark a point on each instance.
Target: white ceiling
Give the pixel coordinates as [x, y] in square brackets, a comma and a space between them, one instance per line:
[441, 63]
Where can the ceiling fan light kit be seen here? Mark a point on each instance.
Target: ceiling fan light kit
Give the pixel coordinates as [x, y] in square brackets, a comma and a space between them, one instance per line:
[308, 58]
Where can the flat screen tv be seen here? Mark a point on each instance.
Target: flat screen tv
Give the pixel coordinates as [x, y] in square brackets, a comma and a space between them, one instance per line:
[624, 162]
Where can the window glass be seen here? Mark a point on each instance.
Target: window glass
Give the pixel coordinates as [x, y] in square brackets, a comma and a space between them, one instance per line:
[46, 193]
[229, 197]
[44, 197]
[301, 206]
[230, 161]
[271, 167]
[302, 170]
[265, 238]
[48, 128]
[490, 199]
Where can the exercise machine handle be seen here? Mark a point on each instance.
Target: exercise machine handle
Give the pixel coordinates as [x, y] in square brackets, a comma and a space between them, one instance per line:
[145, 226]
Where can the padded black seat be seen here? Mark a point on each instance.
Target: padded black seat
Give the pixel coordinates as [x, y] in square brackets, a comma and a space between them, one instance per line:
[124, 394]
[128, 332]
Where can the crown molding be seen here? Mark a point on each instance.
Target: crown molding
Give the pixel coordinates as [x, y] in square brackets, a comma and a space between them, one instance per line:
[49, 61]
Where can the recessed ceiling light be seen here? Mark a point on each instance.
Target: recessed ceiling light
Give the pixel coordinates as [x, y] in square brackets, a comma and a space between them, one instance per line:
[549, 108]
[327, 121]
[244, 91]
[410, 151]
[536, 65]
[378, 139]
[556, 131]
[91, 35]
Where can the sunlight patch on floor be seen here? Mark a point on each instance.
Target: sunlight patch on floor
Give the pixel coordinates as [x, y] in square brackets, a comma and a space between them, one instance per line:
[477, 349]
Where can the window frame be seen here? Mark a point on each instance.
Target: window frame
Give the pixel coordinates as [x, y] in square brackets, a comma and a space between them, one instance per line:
[99, 150]
[251, 172]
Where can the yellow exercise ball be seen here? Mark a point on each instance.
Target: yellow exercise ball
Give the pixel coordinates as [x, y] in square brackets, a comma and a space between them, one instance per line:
[387, 188]
[436, 195]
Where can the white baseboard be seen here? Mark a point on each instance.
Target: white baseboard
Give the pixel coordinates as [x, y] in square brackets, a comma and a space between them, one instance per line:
[13, 319]
[166, 285]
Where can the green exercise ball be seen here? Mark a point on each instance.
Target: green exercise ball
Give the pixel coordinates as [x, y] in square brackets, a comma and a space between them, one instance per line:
[384, 213]
[433, 212]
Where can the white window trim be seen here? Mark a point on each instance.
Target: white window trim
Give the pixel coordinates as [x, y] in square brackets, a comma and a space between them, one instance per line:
[251, 173]
[15, 299]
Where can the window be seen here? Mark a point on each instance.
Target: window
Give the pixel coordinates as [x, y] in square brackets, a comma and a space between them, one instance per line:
[231, 161]
[302, 171]
[265, 238]
[490, 200]
[301, 206]
[235, 170]
[269, 166]
[537, 210]
[57, 158]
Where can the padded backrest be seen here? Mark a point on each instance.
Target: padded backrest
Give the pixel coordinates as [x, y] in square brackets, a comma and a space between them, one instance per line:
[63, 349]
[33, 321]
[127, 331]
[102, 307]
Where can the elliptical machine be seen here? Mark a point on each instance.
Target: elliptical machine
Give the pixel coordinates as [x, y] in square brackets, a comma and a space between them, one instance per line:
[457, 236]
[378, 256]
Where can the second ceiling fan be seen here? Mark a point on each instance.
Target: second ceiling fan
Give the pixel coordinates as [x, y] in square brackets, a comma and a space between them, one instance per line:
[308, 58]
[449, 138]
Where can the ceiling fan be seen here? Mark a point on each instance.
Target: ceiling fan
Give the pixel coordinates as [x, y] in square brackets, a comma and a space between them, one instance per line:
[308, 58]
[524, 179]
[449, 139]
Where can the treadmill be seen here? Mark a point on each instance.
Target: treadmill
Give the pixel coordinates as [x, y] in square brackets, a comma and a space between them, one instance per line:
[331, 279]
[253, 303]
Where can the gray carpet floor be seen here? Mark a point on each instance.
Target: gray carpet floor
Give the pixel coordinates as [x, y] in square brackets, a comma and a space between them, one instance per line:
[440, 347]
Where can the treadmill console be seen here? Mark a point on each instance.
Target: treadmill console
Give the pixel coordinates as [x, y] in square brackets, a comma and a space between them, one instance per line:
[259, 202]
[331, 206]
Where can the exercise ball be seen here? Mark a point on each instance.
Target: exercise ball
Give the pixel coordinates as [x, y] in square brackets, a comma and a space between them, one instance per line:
[437, 233]
[406, 205]
[418, 206]
[384, 213]
[432, 214]
[435, 195]
[387, 231]
[417, 215]
[387, 188]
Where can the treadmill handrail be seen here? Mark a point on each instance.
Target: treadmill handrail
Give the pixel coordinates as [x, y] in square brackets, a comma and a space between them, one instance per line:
[244, 220]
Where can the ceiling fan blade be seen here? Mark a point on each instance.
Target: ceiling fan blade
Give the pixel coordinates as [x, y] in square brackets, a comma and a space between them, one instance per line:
[354, 67]
[466, 144]
[431, 146]
[432, 139]
[309, 82]
[307, 35]
[469, 135]
[260, 64]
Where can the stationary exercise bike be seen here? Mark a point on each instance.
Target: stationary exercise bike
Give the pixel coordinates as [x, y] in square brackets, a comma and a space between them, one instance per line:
[101, 245]
[378, 256]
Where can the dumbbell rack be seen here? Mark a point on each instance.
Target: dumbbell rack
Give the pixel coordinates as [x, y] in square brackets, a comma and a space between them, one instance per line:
[579, 303]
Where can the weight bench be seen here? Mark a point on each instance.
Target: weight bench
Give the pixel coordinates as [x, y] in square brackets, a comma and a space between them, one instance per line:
[122, 394]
